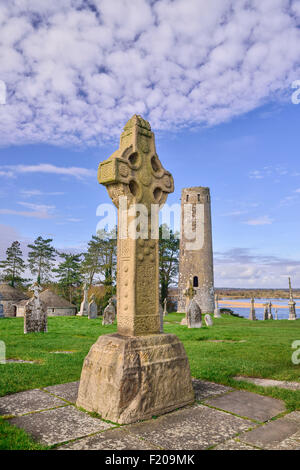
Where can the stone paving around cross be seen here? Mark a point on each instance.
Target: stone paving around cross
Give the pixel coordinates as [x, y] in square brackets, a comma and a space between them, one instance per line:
[221, 419]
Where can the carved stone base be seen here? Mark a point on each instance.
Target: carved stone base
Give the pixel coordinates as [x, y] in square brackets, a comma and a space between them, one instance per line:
[131, 378]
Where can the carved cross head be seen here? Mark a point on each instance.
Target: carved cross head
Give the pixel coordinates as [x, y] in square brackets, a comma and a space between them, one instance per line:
[190, 292]
[135, 170]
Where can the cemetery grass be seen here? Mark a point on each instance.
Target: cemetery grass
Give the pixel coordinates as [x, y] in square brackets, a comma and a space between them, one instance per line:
[265, 352]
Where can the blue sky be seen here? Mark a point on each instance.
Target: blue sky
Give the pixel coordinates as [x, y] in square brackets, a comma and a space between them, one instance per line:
[218, 97]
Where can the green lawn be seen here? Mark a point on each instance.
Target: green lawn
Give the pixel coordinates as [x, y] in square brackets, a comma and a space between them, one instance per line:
[266, 352]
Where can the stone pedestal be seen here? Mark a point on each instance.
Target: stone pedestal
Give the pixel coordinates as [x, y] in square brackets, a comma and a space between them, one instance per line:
[126, 379]
[292, 310]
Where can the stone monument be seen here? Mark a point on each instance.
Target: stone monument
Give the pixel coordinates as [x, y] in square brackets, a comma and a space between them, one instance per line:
[252, 315]
[1, 308]
[292, 304]
[137, 372]
[92, 308]
[270, 314]
[196, 253]
[161, 317]
[165, 312]
[276, 314]
[84, 306]
[35, 313]
[208, 320]
[109, 313]
[194, 315]
[266, 312]
[189, 294]
[217, 310]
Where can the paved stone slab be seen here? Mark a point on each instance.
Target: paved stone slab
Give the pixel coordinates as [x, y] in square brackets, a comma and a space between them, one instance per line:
[234, 444]
[269, 382]
[26, 402]
[59, 425]
[115, 439]
[196, 427]
[273, 435]
[249, 405]
[204, 389]
[68, 391]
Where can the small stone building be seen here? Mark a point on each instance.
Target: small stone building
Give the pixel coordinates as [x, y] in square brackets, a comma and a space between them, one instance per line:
[11, 296]
[56, 306]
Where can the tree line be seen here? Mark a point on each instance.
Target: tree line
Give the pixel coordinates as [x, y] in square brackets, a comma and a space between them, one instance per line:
[66, 272]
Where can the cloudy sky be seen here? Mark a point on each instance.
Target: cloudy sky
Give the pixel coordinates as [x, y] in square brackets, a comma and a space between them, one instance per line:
[215, 79]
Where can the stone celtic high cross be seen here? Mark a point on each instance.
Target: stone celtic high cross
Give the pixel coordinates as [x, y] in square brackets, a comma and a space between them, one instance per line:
[139, 371]
[135, 172]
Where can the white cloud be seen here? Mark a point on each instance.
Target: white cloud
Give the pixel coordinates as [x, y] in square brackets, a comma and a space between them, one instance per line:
[77, 172]
[239, 267]
[37, 211]
[76, 71]
[37, 192]
[264, 220]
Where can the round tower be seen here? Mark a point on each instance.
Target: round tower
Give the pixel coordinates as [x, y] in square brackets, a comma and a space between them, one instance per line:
[196, 255]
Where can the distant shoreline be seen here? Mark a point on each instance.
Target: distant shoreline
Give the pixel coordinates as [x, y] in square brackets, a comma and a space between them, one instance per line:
[248, 304]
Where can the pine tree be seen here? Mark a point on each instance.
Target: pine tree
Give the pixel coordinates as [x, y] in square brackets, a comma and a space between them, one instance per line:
[13, 266]
[69, 274]
[101, 258]
[168, 260]
[41, 258]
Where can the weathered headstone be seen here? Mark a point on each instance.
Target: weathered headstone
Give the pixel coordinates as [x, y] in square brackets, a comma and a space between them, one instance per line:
[92, 309]
[1, 308]
[194, 315]
[165, 312]
[208, 320]
[161, 317]
[292, 304]
[109, 313]
[266, 312]
[252, 315]
[138, 372]
[84, 306]
[189, 294]
[270, 314]
[35, 313]
[217, 310]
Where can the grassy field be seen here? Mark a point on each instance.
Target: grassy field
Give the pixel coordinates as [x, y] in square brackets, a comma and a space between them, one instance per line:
[266, 352]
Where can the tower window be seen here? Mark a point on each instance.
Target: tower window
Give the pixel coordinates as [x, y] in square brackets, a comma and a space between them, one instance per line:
[195, 281]
[187, 198]
[198, 197]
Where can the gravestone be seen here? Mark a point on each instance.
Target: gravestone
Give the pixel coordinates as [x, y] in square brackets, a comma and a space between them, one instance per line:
[35, 313]
[137, 372]
[266, 312]
[252, 315]
[92, 309]
[165, 312]
[208, 320]
[194, 315]
[217, 310]
[292, 304]
[270, 315]
[84, 306]
[1, 308]
[109, 313]
[276, 314]
[161, 317]
[189, 294]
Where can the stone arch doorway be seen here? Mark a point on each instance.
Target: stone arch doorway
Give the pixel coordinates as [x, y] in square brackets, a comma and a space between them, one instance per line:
[195, 281]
